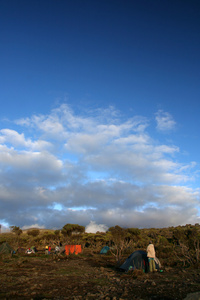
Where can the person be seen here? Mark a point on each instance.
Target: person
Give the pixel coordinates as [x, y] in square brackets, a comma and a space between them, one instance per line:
[57, 249]
[151, 254]
[46, 250]
[49, 250]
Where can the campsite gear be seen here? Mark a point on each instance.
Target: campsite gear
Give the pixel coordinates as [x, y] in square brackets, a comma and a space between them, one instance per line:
[104, 250]
[137, 260]
[5, 248]
[72, 249]
[157, 262]
[33, 248]
[29, 251]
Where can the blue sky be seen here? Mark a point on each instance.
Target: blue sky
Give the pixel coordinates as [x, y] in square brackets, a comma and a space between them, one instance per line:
[99, 119]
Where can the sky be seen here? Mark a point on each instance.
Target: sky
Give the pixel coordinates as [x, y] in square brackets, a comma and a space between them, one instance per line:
[99, 118]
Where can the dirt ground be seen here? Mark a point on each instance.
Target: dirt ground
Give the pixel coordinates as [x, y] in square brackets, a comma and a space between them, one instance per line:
[89, 277]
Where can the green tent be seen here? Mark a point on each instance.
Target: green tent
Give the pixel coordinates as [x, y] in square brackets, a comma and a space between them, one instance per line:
[104, 250]
[5, 248]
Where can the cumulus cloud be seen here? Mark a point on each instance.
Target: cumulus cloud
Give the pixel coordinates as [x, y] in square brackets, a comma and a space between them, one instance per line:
[92, 227]
[94, 166]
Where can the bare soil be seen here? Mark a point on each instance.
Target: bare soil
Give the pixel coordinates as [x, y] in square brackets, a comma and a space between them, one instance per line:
[37, 276]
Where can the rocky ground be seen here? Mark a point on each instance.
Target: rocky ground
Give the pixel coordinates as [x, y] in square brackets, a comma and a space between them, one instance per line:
[89, 277]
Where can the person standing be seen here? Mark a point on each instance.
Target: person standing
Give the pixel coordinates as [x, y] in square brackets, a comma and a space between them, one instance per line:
[46, 250]
[57, 249]
[151, 254]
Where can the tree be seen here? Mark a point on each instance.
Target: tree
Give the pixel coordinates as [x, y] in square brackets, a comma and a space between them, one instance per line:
[119, 237]
[95, 241]
[135, 232]
[16, 230]
[187, 248]
[70, 229]
[57, 232]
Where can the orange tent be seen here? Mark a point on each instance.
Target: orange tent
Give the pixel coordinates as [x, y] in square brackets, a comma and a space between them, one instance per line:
[72, 249]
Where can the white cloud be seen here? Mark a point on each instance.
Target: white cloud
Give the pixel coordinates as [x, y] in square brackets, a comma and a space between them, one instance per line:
[33, 226]
[15, 139]
[4, 225]
[164, 121]
[98, 168]
[92, 227]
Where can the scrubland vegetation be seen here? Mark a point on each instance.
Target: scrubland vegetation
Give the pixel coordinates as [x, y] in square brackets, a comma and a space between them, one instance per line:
[90, 275]
[175, 246]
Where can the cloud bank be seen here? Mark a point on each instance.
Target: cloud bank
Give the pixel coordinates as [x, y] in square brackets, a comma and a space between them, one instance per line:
[94, 166]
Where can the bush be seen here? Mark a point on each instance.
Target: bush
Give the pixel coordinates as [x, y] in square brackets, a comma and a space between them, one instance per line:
[33, 232]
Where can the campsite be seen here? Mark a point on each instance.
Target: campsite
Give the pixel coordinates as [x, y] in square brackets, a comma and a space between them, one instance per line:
[90, 274]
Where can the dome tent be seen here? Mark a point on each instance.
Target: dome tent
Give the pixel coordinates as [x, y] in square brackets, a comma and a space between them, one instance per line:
[138, 260]
[5, 248]
[104, 250]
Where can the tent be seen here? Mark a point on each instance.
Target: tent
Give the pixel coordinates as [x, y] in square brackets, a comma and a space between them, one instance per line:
[72, 249]
[138, 260]
[5, 248]
[104, 250]
[33, 248]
